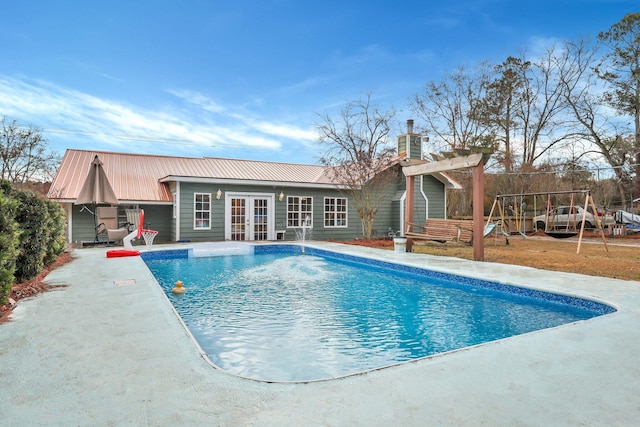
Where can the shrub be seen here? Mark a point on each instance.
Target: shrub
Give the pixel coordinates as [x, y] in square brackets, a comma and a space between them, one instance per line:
[9, 235]
[56, 241]
[31, 216]
[32, 234]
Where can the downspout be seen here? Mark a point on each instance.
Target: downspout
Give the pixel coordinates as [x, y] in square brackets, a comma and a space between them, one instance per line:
[69, 211]
[426, 199]
[177, 202]
[402, 213]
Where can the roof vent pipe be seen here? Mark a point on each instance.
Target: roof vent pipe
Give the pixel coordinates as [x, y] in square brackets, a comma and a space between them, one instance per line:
[410, 126]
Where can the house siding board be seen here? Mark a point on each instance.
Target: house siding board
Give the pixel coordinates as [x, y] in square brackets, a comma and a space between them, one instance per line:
[173, 188]
[388, 218]
[434, 190]
[420, 204]
[384, 218]
[83, 228]
[159, 218]
[319, 232]
[187, 232]
[216, 233]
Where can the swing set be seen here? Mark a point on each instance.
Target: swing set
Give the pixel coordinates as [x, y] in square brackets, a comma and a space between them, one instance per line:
[559, 223]
[515, 207]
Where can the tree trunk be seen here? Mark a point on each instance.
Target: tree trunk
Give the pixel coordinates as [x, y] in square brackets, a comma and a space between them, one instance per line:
[367, 225]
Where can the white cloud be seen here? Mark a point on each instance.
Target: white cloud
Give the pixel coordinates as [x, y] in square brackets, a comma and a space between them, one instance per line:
[196, 98]
[110, 123]
[538, 46]
[285, 131]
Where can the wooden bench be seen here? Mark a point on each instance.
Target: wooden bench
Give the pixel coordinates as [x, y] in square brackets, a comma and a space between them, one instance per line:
[442, 230]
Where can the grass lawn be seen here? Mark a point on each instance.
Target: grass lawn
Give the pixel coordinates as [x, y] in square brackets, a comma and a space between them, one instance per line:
[622, 261]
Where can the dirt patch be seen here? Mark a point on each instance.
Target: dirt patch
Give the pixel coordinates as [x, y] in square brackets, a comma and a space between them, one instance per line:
[371, 243]
[32, 287]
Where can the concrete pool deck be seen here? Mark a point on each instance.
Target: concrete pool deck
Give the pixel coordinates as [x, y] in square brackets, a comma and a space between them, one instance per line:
[95, 353]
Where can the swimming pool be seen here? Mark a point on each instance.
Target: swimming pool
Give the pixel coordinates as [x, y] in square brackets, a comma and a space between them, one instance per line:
[278, 315]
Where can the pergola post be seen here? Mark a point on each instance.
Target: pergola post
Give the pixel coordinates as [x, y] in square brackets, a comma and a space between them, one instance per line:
[478, 211]
[408, 212]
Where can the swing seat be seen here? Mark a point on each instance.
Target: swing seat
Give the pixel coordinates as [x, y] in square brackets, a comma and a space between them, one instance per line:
[561, 234]
[488, 229]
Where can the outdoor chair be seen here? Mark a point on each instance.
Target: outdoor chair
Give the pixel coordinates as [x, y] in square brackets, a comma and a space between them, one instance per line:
[133, 217]
[108, 223]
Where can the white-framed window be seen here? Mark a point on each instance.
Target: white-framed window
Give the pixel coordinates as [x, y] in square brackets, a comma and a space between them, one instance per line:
[299, 208]
[335, 212]
[202, 211]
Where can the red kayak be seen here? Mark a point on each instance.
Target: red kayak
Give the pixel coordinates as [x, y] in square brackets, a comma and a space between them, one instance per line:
[117, 253]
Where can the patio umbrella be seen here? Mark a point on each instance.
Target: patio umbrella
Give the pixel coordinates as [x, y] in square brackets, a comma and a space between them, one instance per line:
[96, 189]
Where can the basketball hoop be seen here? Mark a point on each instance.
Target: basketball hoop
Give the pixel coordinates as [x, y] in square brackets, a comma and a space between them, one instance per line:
[148, 236]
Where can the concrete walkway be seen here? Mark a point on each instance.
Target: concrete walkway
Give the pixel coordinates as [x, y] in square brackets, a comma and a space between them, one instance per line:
[93, 353]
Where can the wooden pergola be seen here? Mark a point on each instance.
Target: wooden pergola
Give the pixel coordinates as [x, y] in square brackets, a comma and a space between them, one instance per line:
[475, 161]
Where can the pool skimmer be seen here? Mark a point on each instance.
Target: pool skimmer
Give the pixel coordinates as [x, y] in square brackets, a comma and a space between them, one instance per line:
[124, 282]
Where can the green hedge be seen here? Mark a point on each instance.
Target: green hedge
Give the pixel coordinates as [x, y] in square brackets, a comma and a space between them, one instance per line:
[31, 235]
[32, 218]
[56, 240]
[9, 234]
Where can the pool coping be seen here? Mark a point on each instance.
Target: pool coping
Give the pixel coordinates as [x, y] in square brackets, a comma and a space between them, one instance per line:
[93, 352]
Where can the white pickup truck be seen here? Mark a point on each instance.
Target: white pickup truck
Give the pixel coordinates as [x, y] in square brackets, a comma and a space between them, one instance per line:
[562, 216]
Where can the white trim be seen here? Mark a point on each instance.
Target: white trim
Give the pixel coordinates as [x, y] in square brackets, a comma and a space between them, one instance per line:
[426, 204]
[201, 180]
[144, 202]
[449, 183]
[209, 210]
[346, 212]
[68, 209]
[178, 213]
[271, 214]
[120, 202]
[445, 203]
[300, 219]
[426, 199]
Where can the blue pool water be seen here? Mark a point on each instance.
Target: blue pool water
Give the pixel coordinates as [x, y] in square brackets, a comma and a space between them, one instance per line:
[284, 316]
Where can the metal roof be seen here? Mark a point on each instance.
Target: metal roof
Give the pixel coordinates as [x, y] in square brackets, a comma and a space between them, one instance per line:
[142, 177]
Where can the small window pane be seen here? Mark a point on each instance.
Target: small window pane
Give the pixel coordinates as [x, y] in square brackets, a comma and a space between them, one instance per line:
[202, 211]
[335, 212]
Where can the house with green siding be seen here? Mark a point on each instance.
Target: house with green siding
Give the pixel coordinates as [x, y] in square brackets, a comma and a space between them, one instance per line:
[217, 199]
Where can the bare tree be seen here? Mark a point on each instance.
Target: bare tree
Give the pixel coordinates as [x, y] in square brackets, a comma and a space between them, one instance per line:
[592, 122]
[449, 108]
[512, 108]
[360, 156]
[502, 100]
[620, 68]
[541, 110]
[23, 154]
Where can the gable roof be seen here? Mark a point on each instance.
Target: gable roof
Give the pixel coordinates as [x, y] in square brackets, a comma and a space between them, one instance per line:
[144, 178]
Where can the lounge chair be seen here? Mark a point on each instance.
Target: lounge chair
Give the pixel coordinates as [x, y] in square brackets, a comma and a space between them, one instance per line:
[108, 223]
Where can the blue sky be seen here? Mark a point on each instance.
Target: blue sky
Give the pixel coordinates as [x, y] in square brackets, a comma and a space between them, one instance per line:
[246, 79]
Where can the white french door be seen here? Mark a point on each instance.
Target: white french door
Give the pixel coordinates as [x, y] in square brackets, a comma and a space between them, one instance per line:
[249, 216]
